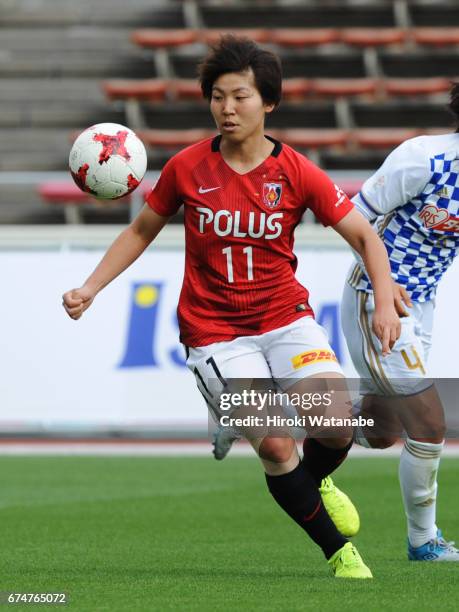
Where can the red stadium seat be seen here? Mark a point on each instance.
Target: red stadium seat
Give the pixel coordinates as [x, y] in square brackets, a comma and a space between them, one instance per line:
[142, 89]
[62, 192]
[344, 87]
[174, 139]
[436, 37]
[436, 131]
[382, 138]
[350, 186]
[416, 87]
[314, 139]
[372, 37]
[295, 89]
[212, 35]
[66, 195]
[155, 38]
[186, 89]
[304, 37]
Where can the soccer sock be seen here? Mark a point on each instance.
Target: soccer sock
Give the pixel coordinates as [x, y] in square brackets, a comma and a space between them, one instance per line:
[297, 494]
[418, 480]
[321, 460]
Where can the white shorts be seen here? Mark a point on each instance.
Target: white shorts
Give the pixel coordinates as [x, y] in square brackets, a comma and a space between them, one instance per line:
[283, 356]
[404, 371]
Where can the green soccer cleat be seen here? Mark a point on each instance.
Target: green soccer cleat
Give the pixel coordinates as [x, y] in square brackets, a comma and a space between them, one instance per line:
[347, 563]
[340, 508]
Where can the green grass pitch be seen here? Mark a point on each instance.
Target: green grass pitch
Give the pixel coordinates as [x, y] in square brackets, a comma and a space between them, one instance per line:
[179, 534]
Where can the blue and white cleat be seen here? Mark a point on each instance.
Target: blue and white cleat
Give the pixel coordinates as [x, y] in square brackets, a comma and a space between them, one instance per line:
[437, 549]
[224, 439]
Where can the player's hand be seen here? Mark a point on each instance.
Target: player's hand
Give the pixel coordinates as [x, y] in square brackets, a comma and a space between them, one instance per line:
[76, 301]
[386, 327]
[401, 299]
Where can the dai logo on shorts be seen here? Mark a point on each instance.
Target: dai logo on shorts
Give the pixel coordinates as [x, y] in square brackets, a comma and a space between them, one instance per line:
[272, 194]
[309, 357]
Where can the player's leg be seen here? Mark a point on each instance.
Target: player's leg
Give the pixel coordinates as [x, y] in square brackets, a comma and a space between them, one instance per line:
[290, 484]
[418, 412]
[302, 361]
[296, 491]
[303, 364]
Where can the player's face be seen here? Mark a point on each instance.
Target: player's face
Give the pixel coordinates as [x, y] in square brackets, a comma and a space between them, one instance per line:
[237, 106]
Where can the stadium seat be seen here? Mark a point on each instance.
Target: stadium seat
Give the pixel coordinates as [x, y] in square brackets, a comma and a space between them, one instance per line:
[421, 63]
[67, 195]
[174, 139]
[71, 199]
[415, 87]
[344, 87]
[186, 89]
[436, 37]
[295, 89]
[372, 37]
[212, 35]
[142, 89]
[382, 138]
[313, 139]
[304, 37]
[350, 186]
[157, 39]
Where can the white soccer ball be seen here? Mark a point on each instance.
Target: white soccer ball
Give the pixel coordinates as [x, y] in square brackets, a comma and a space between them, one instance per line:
[108, 161]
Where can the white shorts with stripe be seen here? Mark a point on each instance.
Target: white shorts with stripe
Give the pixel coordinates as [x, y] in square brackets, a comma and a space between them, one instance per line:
[281, 356]
[404, 370]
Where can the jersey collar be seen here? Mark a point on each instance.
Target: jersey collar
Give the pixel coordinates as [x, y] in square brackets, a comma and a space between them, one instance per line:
[215, 145]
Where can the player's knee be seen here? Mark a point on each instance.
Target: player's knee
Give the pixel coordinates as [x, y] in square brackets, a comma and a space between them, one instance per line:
[438, 432]
[276, 450]
[381, 443]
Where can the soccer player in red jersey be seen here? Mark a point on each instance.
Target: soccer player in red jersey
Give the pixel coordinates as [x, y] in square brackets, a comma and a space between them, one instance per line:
[242, 313]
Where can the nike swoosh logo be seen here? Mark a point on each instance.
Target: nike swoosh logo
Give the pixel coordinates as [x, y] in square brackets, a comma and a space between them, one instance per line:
[202, 190]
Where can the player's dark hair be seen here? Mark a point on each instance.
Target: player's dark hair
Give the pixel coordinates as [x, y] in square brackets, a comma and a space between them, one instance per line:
[454, 103]
[237, 54]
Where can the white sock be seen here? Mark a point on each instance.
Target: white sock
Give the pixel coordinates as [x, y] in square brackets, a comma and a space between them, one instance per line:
[418, 480]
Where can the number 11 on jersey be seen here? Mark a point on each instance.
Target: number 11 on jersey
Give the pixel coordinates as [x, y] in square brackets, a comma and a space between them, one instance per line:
[229, 262]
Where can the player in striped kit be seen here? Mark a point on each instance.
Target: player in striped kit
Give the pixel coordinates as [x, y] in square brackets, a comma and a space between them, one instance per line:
[413, 200]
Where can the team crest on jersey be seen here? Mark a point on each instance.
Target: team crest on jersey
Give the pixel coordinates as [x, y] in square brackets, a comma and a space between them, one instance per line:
[272, 193]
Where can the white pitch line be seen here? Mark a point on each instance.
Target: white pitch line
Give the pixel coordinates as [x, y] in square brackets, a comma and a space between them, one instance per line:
[173, 449]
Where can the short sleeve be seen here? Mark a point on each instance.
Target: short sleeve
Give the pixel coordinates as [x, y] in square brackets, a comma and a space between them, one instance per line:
[164, 198]
[327, 201]
[402, 176]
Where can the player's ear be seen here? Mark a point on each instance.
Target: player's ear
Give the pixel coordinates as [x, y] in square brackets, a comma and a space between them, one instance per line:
[269, 108]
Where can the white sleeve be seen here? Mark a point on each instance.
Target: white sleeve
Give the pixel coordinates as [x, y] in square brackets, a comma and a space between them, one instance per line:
[402, 176]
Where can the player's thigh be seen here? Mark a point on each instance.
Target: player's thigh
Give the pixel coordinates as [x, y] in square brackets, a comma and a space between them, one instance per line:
[403, 371]
[305, 367]
[299, 350]
[224, 369]
[396, 387]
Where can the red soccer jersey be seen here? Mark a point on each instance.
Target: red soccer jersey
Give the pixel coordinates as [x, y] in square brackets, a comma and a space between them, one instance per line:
[239, 275]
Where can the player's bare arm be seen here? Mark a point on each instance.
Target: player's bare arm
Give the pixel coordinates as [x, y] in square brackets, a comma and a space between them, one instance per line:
[359, 234]
[129, 245]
